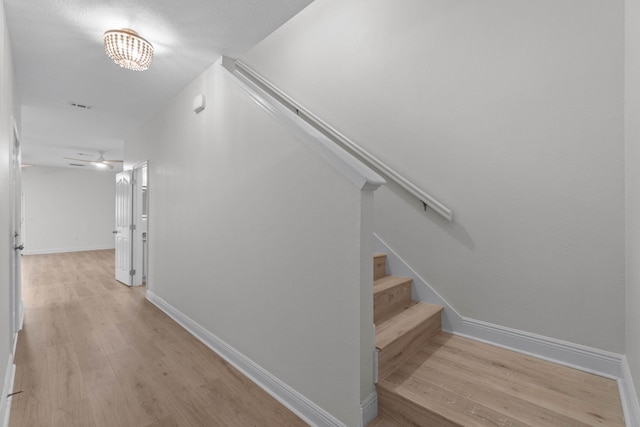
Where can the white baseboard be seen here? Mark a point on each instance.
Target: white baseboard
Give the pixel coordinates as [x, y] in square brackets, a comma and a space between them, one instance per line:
[577, 356]
[629, 396]
[369, 408]
[63, 250]
[297, 403]
[565, 353]
[5, 401]
[20, 323]
[15, 345]
[21, 313]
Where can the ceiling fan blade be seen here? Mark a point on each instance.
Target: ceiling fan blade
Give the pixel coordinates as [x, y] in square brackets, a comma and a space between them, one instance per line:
[79, 160]
[114, 161]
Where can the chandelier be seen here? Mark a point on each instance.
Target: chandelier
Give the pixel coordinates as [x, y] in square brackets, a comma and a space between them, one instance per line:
[128, 49]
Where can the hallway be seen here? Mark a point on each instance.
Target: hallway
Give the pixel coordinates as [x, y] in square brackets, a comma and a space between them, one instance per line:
[93, 352]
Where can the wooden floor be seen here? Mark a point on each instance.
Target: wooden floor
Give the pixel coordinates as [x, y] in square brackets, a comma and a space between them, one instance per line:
[94, 352]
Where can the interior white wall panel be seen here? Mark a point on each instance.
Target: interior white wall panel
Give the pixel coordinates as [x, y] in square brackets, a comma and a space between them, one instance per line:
[258, 240]
[68, 210]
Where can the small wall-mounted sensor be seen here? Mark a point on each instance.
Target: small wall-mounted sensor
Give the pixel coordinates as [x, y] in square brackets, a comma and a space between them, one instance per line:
[198, 103]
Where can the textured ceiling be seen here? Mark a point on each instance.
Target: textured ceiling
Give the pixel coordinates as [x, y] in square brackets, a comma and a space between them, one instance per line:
[60, 59]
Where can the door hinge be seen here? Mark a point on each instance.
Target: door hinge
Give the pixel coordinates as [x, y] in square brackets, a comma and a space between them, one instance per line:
[132, 272]
[132, 227]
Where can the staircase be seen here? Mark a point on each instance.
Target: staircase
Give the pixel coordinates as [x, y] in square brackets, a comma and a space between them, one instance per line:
[430, 378]
[402, 325]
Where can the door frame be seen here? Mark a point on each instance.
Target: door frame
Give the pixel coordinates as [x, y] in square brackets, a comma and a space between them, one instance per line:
[16, 309]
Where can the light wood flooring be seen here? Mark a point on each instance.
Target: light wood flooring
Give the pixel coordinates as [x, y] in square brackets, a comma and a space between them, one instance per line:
[96, 353]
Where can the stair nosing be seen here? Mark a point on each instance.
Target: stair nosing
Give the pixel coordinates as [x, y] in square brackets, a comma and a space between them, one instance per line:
[437, 408]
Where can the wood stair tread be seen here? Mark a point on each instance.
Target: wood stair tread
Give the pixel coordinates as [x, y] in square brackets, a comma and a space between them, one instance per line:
[414, 406]
[471, 383]
[411, 317]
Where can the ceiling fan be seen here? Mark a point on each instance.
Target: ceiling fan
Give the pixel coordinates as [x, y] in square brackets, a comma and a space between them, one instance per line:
[99, 162]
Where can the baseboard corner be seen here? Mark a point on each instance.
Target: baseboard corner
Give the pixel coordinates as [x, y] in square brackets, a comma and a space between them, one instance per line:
[629, 396]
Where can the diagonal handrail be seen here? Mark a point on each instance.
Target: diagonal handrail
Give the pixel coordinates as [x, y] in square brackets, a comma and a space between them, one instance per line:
[426, 199]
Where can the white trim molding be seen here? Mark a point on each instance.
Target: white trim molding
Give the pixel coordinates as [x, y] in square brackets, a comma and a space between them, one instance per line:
[5, 400]
[21, 318]
[588, 359]
[14, 348]
[369, 409]
[629, 397]
[297, 403]
[565, 353]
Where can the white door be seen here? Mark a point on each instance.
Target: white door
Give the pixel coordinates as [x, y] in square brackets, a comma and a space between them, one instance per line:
[16, 230]
[124, 226]
[140, 229]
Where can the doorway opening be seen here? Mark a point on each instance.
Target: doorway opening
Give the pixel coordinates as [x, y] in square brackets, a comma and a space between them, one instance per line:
[132, 230]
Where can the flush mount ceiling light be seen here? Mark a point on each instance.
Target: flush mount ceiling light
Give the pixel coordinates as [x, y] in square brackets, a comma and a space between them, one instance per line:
[128, 49]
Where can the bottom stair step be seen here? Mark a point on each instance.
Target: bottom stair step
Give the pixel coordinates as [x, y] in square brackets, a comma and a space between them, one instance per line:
[399, 337]
[455, 381]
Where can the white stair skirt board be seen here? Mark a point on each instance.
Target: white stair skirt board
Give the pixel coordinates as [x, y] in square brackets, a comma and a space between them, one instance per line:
[297, 403]
[630, 404]
[5, 402]
[588, 359]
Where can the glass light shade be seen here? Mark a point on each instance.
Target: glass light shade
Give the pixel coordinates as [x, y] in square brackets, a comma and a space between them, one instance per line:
[128, 49]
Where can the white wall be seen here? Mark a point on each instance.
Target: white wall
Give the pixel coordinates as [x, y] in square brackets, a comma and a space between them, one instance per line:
[8, 108]
[68, 210]
[259, 241]
[511, 113]
[632, 122]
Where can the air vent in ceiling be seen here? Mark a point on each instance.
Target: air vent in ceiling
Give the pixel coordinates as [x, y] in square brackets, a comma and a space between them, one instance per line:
[82, 106]
[76, 164]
